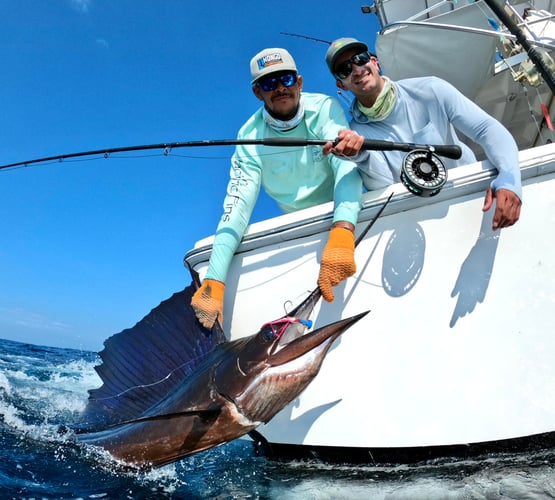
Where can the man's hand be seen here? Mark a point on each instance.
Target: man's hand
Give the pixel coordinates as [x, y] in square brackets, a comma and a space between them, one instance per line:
[348, 143]
[507, 207]
[208, 303]
[338, 261]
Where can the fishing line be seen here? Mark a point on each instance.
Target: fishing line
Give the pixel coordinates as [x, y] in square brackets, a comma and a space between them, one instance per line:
[449, 150]
[359, 238]
[126, 157]
[144, 386]
[263, 155]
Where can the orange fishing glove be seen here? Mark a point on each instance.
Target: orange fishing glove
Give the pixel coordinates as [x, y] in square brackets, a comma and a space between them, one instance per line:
[208, 303]
[338, 261]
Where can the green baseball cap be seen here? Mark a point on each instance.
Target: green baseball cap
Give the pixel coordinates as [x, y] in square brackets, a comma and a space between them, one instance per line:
[341, 45]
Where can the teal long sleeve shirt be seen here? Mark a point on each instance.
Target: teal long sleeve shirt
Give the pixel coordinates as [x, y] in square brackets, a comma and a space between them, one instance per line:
[296, 178]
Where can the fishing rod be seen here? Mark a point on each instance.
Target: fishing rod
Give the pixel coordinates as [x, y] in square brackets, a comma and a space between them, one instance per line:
[305, 37]
[535, 56]
[449, 151]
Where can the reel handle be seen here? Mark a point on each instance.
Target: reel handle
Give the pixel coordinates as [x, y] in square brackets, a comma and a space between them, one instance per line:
[448, 150]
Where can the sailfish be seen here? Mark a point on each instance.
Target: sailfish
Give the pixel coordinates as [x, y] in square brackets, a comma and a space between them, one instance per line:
[168, 396]
[172, 388]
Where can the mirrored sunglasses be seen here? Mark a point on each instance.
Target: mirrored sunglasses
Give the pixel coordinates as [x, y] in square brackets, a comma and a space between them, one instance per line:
[344, 69]
[268, 84]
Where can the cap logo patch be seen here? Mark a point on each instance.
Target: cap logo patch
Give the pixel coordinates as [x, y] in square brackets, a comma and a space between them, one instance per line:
[269, 60]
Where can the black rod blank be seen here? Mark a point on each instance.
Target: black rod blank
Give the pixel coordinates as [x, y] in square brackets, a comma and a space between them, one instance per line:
[449, 151]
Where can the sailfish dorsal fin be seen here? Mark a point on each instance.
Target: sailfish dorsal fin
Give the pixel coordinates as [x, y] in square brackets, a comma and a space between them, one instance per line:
[140, 365]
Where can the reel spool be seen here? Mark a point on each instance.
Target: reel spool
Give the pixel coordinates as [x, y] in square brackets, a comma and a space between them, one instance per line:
[423, 173]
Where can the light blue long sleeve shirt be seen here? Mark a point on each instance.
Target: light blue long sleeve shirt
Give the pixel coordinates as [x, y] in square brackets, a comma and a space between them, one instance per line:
[427, 111]
[296, 178]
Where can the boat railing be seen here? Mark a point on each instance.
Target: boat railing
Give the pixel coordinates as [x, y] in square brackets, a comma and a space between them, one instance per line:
[465, 29]
[386, 12]
[531, 22]
[463, 181]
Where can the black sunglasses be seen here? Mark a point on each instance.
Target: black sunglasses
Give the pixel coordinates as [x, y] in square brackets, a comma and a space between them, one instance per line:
[268, 84]
[344, 69]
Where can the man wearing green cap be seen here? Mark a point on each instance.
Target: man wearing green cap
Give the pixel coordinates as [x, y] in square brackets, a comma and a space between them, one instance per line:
[296, 178]
[425, 110]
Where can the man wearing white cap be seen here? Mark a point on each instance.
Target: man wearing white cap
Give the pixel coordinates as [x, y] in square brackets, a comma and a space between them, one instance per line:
[296, 178]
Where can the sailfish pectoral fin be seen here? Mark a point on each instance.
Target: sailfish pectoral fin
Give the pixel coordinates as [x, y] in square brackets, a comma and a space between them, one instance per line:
[206, 415]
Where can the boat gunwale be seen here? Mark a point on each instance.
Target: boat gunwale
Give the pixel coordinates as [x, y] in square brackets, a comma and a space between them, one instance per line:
[462, 181]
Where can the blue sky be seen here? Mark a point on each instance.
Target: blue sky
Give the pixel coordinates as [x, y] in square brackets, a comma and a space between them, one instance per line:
[87, 248]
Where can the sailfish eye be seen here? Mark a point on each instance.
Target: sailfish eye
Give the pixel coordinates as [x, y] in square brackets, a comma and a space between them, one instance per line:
[275, 329]
[268, 332]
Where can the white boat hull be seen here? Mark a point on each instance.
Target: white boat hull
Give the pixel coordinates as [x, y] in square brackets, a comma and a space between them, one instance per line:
[459, 345]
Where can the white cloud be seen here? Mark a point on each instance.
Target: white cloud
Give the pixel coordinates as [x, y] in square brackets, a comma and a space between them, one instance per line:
[102, 43]
[18, 317]
[81, 5]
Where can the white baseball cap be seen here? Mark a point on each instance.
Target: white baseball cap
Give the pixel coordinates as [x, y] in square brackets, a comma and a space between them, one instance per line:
[270, 61]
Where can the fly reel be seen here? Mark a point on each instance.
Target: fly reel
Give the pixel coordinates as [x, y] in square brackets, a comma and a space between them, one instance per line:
[423, 173]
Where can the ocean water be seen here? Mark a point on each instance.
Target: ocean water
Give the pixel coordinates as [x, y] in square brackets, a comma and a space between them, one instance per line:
[43, 388]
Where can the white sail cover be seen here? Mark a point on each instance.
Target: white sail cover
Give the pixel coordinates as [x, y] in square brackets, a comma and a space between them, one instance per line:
[406, 50]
